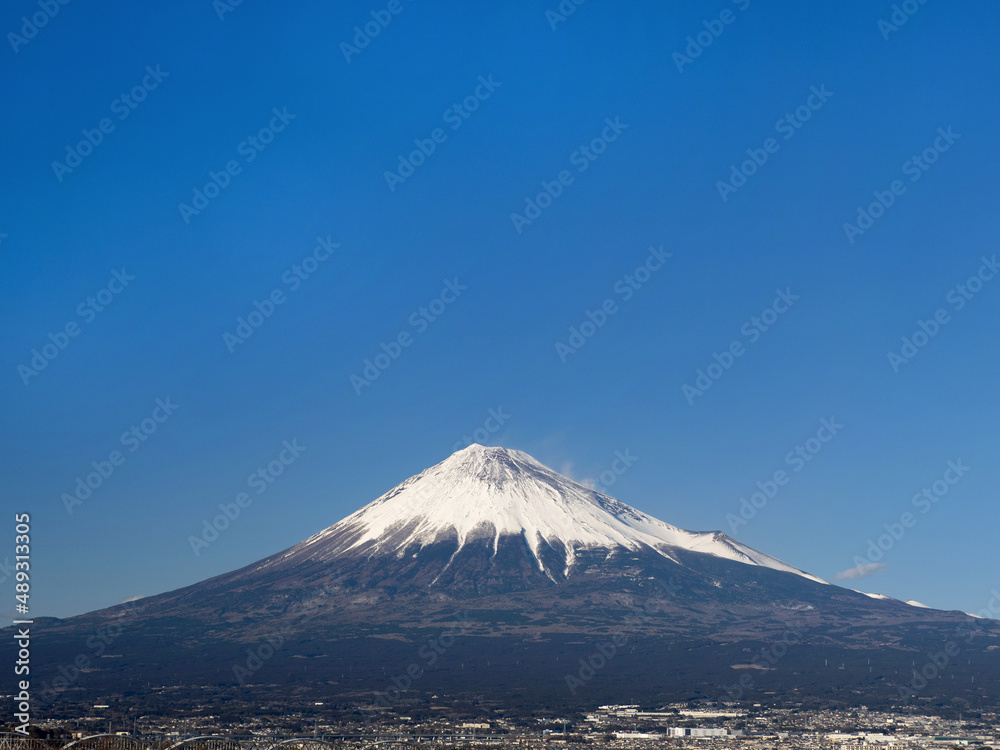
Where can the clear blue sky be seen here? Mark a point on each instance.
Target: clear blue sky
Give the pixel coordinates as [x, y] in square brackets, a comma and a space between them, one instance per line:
[652, 178]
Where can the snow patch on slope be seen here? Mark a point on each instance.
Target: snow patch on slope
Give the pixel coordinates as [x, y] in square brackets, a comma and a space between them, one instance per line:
[882, 597]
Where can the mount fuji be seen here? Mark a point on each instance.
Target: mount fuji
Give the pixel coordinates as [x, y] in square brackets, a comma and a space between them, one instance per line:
[495, 575]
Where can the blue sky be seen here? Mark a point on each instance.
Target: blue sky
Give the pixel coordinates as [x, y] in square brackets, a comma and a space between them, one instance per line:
[741, 159]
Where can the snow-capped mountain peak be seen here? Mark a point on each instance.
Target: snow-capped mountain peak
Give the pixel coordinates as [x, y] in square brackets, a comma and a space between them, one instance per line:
[491, 493]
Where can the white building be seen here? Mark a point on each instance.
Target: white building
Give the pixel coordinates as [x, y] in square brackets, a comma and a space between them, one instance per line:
[698, 732]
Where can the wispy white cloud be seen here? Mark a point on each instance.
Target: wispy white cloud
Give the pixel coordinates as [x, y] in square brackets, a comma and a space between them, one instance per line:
[861, 571]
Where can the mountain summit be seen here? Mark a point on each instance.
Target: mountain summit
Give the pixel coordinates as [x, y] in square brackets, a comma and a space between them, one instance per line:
[504, 496]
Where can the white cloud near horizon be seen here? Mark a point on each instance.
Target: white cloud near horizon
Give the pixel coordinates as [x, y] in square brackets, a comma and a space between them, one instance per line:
[861, 571]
